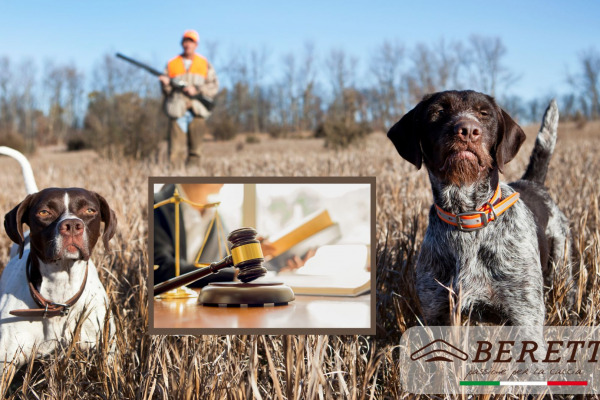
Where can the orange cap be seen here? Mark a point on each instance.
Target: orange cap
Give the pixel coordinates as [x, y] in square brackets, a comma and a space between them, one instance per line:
[191, 34]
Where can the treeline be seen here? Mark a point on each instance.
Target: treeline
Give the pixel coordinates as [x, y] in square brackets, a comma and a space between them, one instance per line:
[116, 108]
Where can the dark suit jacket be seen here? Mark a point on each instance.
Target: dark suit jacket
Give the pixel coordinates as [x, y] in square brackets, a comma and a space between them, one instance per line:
[164, 248]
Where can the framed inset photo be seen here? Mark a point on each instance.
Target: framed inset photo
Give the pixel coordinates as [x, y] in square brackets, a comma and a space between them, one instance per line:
[233, 255]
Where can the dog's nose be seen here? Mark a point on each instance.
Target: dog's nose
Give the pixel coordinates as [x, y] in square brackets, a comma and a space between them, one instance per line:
[71, 227]
[467, 130]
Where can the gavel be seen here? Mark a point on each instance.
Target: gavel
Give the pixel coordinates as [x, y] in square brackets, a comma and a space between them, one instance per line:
[246, 255]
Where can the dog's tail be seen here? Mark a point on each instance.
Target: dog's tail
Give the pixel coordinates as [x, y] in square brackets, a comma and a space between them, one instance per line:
[544, 146]
[30, 185]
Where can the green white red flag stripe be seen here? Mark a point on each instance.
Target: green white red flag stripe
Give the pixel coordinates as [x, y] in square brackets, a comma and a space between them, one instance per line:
[523, 383]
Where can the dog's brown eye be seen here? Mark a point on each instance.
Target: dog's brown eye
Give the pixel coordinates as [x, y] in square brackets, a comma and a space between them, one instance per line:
[437, 113]
[90, 211]
[43, 213]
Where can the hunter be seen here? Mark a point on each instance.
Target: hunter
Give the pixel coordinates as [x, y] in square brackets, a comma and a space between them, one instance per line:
[187, 115]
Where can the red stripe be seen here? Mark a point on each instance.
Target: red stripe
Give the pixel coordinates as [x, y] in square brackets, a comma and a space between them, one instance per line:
[567, 383]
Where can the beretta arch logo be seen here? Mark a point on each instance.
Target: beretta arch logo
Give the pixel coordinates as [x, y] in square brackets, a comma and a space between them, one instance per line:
[437, 350]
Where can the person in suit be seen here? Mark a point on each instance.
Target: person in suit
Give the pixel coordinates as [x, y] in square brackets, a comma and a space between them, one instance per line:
[193, 224]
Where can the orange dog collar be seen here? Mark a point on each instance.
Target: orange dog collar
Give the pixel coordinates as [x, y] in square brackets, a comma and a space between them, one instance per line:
[474, 220]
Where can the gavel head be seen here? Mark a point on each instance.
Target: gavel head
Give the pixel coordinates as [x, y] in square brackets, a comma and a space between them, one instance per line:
[247, 254]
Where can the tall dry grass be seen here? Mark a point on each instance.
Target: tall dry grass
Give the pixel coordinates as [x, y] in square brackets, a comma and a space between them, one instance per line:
[291, 367]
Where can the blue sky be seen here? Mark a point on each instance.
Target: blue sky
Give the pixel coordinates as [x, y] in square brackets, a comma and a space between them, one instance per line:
[543, 38]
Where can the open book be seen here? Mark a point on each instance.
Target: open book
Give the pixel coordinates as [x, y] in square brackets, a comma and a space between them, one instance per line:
[336, 270]
[311, 232]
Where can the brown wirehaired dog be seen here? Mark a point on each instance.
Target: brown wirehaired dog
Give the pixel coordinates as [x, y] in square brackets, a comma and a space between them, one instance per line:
[491, 241]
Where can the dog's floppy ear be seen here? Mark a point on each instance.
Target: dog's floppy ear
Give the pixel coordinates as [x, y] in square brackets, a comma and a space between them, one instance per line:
[510, 139]
[107, 215]
[405, 136]
[14, 220]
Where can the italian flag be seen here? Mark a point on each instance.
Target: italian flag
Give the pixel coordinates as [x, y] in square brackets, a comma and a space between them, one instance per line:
[523, 383]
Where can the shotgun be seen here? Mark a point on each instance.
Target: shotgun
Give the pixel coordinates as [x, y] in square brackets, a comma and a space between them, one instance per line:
[176, 83]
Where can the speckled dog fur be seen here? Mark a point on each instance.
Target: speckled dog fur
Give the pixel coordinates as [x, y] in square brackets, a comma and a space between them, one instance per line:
[499, 270]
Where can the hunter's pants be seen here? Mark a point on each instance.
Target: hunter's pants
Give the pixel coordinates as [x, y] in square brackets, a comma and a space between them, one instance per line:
[179, 140]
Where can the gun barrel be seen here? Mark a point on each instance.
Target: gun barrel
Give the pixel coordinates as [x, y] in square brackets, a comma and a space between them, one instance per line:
[139, 64]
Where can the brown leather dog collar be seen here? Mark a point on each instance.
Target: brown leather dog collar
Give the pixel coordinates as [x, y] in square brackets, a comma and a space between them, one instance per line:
[474, 220]
[49, 308]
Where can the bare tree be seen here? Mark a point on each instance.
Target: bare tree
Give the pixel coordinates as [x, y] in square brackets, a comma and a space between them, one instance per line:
[587, 82]
[7, 114]
[422, 79]
[74, 92]
[341, 69]
[567, 106]
[534, 109]
[64, 85]
[239, 101]
[297, 103]
[436, 67]
[490, 74]
[26, 101]
[449, 65]
[212, 51]
[291, 100]
[307, 84]
[258, 70]
[55, 87]
[386, 69]
[513, 105]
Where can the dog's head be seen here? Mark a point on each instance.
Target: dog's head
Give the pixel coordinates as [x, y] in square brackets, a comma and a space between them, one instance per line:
[459, 135]
[63, 223]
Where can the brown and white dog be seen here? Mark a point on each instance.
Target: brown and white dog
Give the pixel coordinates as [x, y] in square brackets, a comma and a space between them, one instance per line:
[50, 284]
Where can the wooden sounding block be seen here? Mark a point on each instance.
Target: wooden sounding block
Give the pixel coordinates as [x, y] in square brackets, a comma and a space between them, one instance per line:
[251, 294]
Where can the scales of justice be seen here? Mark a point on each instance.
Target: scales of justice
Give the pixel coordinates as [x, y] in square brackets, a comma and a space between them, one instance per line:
[245, 255]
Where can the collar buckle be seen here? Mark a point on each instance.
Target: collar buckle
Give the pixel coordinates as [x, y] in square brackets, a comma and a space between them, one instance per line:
[483, 216]
[65, 309]
[492, 211]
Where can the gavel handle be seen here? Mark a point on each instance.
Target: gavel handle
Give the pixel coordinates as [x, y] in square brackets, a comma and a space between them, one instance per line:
[193, 276]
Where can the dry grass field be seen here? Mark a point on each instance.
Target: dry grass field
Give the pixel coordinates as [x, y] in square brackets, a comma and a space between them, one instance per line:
[291, 367]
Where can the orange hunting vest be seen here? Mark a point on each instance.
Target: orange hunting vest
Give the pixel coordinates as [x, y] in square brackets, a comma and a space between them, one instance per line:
[176, 66]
